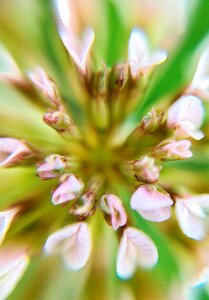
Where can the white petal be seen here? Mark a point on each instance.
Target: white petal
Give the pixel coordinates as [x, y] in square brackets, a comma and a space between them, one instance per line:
[135, 249]
[157, 215]
[190, 220]
[74, 242]
[6, 218]
[158, 57]
[202, 69]
[138, 50]
[147, 198]
[12, 266]
[186, 113]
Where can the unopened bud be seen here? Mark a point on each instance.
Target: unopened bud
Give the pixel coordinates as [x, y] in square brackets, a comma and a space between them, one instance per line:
[58, 120]
[146, 170]
[152, 121]
[99, 84]
[52, 167]
[119, 77]
[173, 150]
[85, 206]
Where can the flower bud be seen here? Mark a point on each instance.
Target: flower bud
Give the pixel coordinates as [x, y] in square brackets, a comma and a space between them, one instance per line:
[114, 211]
[98, 84]
[173, 150]
[69, 189]
[146, 170]
[152, 121]
[52, 167]
[58, 120]
[13, 151]
[119, 77]
[85, 206]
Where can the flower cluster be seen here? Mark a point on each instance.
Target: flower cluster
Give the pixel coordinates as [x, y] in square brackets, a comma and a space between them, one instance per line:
[83, 172]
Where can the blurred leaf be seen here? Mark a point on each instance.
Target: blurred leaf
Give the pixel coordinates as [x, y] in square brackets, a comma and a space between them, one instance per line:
[173, 73]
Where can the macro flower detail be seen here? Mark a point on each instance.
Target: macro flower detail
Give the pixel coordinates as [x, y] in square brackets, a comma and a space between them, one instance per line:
[73, 242]
[13, 263]
[152, 204]
[103, 154]
[185, 116]
[191, 213]
[69, 189]
[13, 151]
[112, 206]
[140, 56]
[135, 249]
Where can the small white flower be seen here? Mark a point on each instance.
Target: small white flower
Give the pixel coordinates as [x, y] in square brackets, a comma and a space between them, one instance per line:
[73, 242]
[191, 216]
[13, 263]
[6, 218]
[151, 204]
[185, 116]
[135, 249]
[140, 55]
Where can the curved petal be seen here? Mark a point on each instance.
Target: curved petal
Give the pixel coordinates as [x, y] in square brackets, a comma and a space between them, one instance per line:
[74, 242]
[13, 264]
[190, 219]
[157, 215]
[158, 57]
[6, 218]
[135, 249]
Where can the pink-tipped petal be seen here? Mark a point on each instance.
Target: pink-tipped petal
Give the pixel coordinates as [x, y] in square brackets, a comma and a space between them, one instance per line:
[13, 264]
[185, 116]
[135, 249]
[151, 204]
[51, 167]
[158, 57]
[73, 242]
[12, 151]
[6, 218]
[68, 190]
[112, 205]
[173, 150]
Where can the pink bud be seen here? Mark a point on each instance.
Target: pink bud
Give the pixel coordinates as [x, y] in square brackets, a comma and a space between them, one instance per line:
[73, 242]
[152, 204]
[58, 120]
[185, 116]
[172, 150]
[140, 56]
[68, 190]
[13, 263]
[12, 151]
[191, 215]
[113, 208]
[135, 249]
[6, 218]
[46, 85]
[146, 170]
[85, 206]
[52, 166]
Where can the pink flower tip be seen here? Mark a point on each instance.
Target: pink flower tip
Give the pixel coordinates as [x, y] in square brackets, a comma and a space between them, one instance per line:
[151, 204]
[69, 189]
[13, 151]
[113, 210]
[173, 150]
[146, 170]
[52, 166]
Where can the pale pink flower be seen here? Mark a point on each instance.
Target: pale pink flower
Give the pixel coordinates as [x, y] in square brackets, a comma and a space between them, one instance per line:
[135, 249]
[69, 189]
[191, 215]
[141, 57]
[43, 83]
[52, 166]
[185, 116]
[172, 149]
[73, 242]
[12, 151]
[58, 120]
[146, 170]
[13, 263]
[151, 204]
[112, 206]
[6, 218]
[78, 48]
